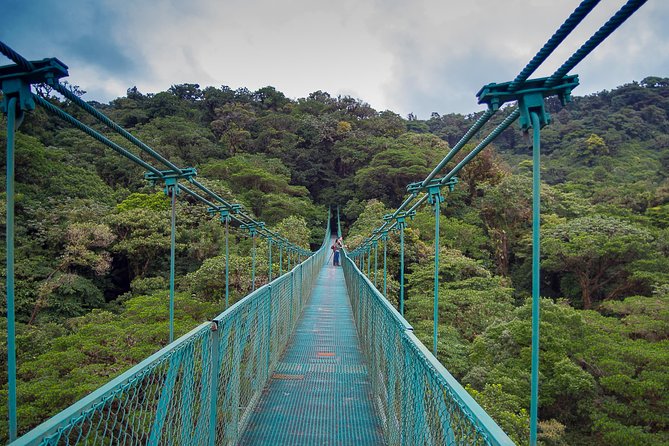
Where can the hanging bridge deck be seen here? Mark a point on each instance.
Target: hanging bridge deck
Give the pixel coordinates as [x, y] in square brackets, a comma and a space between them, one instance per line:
[319, 393]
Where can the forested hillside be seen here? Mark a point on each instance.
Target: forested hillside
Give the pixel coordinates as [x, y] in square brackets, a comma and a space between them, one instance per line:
[605, 229]
[93, 243]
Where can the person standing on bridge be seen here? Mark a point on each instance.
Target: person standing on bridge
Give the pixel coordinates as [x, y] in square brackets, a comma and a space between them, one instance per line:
[338, 244]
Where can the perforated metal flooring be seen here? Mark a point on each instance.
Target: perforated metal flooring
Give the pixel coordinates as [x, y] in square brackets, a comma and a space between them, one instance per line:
[320, 392]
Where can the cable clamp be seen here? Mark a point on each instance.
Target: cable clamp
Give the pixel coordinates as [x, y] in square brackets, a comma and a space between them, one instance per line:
[530, 96]
[252, 227]
[14, 82]
[225, 211]
[401, 217]
[415, 188]
[170, 178]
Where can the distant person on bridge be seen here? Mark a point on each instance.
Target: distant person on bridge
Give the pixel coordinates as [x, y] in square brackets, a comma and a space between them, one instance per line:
[338, 244]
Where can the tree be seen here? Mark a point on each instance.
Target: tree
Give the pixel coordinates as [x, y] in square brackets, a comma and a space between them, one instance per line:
[214, 98]
[65, 292]
[655, 82]
[470, 300]
[592, 149]
[628, 354]
[369, 219]
[143, 233]
[501, 356]
[187, 92]
[270, 98]
[599, 252]
[180, 139]
[506, 409]
[241, 116]
[408, 159]
[385, 123]
[486, 168]
[506, 210]
[295, 229]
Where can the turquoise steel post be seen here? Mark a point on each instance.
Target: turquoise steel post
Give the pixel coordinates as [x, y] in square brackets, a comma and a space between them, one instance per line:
[227, 258]
[172, 190]
[369, 260]
[338, 223]
[280, 258]
[215, 370]
[172, 187]
[292, 301]
[11, 321]
[401, 223]
[166, 395]
[301, 284]
[269, 261]
[435, 333]
[234, 386]
[376, 260]
[385, 264]
[289, 252]
[536, 271]
[435, 199]
[253, 260]
[268, 351]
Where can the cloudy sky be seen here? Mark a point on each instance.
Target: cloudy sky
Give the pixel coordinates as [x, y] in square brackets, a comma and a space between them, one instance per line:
[414, 56]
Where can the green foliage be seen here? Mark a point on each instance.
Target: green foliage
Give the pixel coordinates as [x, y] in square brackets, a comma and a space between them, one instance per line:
[629, 356]
[370, 219]
[148, 285]
[409, 158]
[502, 355]
[295, 230]
[505, 209]
[208, 282]
[659, 215]
[243, 172]
[503, 407]
[264, 185]
[599, 252]
[470, 300]
[143, 237]
[642, 317]
[154, 202]
[179, 139]
[92, 236]
[66, 295]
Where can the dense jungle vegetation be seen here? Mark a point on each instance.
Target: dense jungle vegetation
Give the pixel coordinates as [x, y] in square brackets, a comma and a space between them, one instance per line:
[92, 244]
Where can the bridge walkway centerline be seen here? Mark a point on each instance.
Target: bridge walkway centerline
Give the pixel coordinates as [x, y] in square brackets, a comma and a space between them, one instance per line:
[320, 392]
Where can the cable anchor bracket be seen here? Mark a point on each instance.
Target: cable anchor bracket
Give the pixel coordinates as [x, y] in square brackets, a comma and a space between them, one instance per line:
[530, 96]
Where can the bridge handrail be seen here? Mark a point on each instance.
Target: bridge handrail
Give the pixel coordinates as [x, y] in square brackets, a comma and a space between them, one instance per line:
[418, 400]
[189, 388]
[57, 424]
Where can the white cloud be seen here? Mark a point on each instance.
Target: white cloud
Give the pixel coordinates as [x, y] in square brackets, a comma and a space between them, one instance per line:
[444, 52]
[419, 56]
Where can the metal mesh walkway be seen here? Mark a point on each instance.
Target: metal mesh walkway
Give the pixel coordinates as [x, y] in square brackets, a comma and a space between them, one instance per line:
[320, 392]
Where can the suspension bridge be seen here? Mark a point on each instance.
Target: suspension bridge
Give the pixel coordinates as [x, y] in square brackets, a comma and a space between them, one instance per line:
[317, 355]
